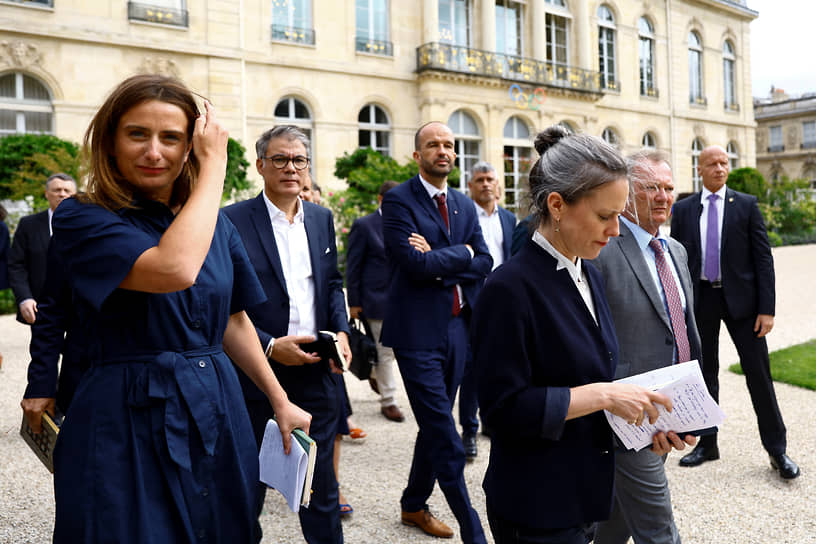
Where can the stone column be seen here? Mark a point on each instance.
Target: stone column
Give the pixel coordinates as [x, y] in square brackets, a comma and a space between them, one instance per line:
[580, 22]
[539, 18]
[430, 21]
[488, 25]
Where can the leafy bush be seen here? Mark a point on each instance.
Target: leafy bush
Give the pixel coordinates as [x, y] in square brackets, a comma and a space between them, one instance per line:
[236, 183]
[7, 305]
[749, 180]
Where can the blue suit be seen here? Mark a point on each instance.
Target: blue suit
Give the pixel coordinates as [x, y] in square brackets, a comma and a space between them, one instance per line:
[468, 392]
[367, 275]
[430, 344]
[534, 338]
[311, 387]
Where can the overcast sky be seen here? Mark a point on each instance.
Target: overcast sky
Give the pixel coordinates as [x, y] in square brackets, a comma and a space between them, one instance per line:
[782, 44]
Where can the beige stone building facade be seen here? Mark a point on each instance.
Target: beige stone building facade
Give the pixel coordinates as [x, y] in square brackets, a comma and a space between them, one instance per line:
[673, 74]
[786, 137]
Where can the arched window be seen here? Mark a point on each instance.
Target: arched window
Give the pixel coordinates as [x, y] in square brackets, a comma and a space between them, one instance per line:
[606, 47]
[729, 75]
[375, 129]
[291, 111]
[695, 59]
[468, 144]
[733, 155]
[610, 136]
[517, 161]
[25, 105]
[648, 141]
[696, 148]
[646, 47]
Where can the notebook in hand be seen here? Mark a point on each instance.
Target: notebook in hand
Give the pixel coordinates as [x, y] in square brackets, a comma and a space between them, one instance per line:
[290, 474]
[327, 346]
[43, 443]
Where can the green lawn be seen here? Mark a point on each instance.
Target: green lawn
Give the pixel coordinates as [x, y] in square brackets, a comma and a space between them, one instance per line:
[795, 365]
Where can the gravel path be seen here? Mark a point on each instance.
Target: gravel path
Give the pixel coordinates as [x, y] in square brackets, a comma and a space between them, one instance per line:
[738, 499]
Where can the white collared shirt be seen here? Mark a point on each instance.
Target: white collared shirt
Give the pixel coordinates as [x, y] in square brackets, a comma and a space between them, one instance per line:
[704, 226]
[643, 238]
[492, 232]
[50, 217]
[576, 271]
[293, 250]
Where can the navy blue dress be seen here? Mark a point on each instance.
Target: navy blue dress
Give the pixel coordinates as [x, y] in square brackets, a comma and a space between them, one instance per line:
[156, 446]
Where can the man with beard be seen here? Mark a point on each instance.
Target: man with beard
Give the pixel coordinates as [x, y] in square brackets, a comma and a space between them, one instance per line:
[438, 261]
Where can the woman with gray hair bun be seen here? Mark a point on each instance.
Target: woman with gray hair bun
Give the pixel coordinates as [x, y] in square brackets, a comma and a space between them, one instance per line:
[545, 352]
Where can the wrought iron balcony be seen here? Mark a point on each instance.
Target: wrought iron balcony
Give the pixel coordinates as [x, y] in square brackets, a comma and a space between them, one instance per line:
[651, 92]
[42, 3]
[375, 47]
[464, 60]
[156, 14]
[293, 34]
[698, 100]
[776, 148]
[808, 144]
[610, 84]
[731, 106]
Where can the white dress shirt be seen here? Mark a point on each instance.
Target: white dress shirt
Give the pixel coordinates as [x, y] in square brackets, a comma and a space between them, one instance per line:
[293, 249]
[704, 227]
[492, 232]
[50, 217]
[576, 271]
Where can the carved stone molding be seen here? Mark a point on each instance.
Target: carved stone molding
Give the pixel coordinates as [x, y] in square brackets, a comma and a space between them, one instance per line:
[19, 54]
[159, 65]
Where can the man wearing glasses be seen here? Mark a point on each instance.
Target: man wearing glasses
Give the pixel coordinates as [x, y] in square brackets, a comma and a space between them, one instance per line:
[291, 245]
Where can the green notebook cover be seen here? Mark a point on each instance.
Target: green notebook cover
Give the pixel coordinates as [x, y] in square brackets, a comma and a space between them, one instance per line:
[310, 447]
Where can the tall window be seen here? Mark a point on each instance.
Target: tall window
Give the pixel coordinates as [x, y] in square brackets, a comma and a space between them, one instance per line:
[375, 129]
[168, 12]
[733, 155]
[517, 161]
[809, 134]
[610, 136]
[292, 21]
[606, 47]
[372, 27]
[291, 111]
[729, 74]
[509, 27]
[696, 148]
[775, 140]
[454, 22]
[646, 45]
[648, 141]
[556, 28]
[468, 144]
[695, 60]
[25, 105]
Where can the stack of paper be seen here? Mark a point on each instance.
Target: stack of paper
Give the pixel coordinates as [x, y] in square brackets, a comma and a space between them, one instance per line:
[693, 407]
[290, 474]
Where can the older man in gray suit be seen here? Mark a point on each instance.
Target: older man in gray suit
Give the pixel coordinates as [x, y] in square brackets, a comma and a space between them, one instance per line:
[650, 294]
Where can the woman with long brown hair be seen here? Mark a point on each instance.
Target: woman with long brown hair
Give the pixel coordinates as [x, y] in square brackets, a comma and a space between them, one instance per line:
[157, 444]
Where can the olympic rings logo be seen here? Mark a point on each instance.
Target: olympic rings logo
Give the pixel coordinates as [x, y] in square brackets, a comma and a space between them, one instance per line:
[531, 101]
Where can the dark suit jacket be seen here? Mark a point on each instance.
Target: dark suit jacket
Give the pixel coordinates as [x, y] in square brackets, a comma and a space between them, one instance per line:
[28, 258]
[271, 318]
[521, 233]
[508, 223]
[642, 324]
[367, 274]
[533, 338]
[4, 249]
[746, 262]
[420, 298]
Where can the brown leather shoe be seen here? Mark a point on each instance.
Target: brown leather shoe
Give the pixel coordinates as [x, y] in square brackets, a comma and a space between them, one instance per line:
[393, 413]
[427, 522]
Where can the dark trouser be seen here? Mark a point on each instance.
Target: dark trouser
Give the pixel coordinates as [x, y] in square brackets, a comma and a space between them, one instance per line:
[753, 354]
[320, 522]
[505, 532]
[431, 378]
[469, 398]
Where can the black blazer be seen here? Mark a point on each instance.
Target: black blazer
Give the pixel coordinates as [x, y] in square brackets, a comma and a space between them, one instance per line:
[28, 258]
[508, 224]
[271, 318]
[746, 262]
[367, 274]
[533, 338]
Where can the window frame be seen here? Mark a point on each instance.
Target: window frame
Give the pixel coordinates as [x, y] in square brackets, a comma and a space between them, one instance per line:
[460, 139]
[733, 155]
[646, 67]
[20, 106]
[519, 26]
[808, 143]
[607, 43]
[697, 146]
[291, 30]
[304, 123]
[695, 63]
[455, 24]
[648, 136]
[729, 76]
[372, 41]
[374, 128]
[518, 152]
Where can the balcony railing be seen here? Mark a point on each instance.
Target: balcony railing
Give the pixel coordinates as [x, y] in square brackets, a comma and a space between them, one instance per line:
[651, 92]
[464, 60]
[157, 14]
[375, 47]
[776, 148]
[808, 145]
[293, 34]
[610, 84]
[698, 101]
[731, 106]
[42, 3]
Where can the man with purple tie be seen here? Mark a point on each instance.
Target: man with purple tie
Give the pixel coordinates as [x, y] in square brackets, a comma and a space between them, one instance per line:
[732, 267]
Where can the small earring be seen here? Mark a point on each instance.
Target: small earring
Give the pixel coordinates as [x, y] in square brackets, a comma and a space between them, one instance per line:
[557, 225]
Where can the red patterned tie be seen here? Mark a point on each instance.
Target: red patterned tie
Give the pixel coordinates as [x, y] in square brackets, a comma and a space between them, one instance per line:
[441, 203]
[678, 320]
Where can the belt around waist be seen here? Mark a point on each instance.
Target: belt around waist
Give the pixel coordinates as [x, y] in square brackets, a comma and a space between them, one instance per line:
[713, 284]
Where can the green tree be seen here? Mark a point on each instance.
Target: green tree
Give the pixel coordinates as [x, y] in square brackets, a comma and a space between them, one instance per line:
[749, 180]
[236, 182]
[26, 161]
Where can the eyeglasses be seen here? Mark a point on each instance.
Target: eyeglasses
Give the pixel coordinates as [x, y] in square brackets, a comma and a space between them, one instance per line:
[280, 161]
